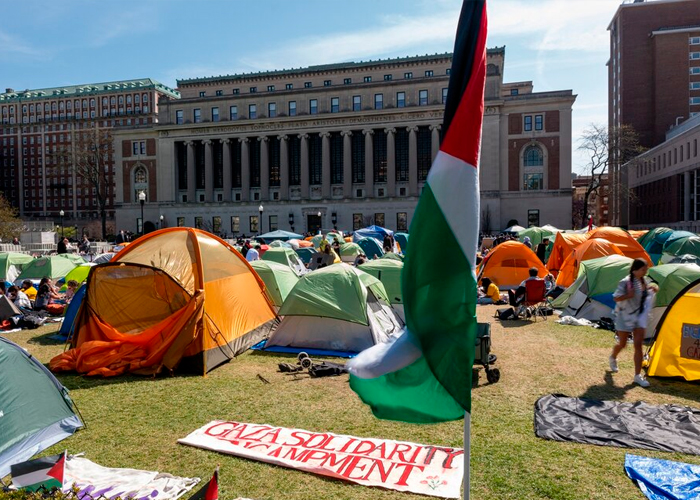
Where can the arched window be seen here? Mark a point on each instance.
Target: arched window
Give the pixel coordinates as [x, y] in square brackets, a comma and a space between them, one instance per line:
[533, 157]
[140, 175]
[140, 181]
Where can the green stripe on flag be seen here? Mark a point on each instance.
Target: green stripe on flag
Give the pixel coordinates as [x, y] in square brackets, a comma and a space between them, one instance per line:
[439, 291]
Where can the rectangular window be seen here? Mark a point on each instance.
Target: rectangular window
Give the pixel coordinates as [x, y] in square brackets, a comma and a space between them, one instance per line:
[378, 101]
[695, 70]
[215, 114]
[292, 108]
[135, 148]
[694, 55]
[357, 222]
[367, 79]
[308, 85]
[197, 115]
[422, 97]
[252, 111]
[408, 75]
[219, 93]
[253, 223]
[429, 72]
[253, 90]
[236, 91]
[694, 101]
[198, 222]
[201, 94]
[533, 182]
[347, 81]
[313, 106]
[528, 123]
[270, 88]
[235, 224]
[402, 221]
[356, 103]
[513, 91]
[379, 220]
[216, 224]
[539, 122]
[233, 113]
[401, 99]
[142, 147]
[694, 40]
[273, 223]
[326, 83]
[271, 109]
[444, 95]
[533, 218]
[387, 78]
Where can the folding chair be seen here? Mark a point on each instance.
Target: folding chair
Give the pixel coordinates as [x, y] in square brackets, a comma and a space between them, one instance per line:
[535, 298]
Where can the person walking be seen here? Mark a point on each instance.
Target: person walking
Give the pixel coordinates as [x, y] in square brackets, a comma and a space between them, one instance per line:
[631, 310]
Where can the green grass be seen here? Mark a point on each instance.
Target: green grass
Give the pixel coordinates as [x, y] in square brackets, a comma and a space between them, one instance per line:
[136, 421]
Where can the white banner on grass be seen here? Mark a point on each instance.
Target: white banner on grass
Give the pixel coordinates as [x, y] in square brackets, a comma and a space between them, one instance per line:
[418, 468]
[104, 482]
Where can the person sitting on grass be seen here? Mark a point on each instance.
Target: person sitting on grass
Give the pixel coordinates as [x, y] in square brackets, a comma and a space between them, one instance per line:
[488, 293]
[71, 287]
[29, 290]
[19, 298]
[45, 295]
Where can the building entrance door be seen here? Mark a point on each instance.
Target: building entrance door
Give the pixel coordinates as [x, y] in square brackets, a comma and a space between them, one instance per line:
[313, 223]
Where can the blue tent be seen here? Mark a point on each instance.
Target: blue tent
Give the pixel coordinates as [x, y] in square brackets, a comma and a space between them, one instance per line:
[305, 254]
[371, 247]
[675, 236]
[402, 240]
[279, 235]
[371, 232]
[68, 326]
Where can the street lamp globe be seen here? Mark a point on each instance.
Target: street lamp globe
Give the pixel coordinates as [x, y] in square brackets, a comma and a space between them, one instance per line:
[142, 196]
[61, 213]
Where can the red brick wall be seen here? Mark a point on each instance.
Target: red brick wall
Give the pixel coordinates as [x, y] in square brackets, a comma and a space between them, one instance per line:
[551, 145]
[126, 149]
[514, 148]
[551, 121]
[515, 124]
[128, 168]
[151, 147]
[656, 202]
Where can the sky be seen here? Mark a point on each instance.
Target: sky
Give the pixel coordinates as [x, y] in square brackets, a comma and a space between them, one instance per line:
[557, 44]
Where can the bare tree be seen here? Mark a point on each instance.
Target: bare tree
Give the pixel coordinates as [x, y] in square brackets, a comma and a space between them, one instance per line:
[486, 221]
[89, 155]
[10, 225]
[602, 145]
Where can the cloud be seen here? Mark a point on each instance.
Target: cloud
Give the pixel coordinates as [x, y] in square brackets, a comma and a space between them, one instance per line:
[11, 45]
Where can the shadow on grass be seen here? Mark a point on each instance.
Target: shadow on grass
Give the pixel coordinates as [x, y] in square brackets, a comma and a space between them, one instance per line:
[515, 323]
[676, 386]
[44, 339]
[608, 390]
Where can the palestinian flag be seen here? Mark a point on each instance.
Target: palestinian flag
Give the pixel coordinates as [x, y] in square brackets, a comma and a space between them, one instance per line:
[209, 491]
[425, 376]
[42, 473]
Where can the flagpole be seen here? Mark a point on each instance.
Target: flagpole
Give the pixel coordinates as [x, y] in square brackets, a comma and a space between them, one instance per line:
[467, 452]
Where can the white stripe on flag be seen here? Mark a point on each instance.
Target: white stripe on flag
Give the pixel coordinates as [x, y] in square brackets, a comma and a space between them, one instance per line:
[386, 357]
[455, 184]
[34, 477]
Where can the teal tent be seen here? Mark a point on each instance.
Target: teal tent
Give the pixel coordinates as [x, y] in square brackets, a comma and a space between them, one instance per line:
[653, 241]
[682, 246]
[36, 412]
[402, 240]
[371, 247]
[305, 254]
[279, 235]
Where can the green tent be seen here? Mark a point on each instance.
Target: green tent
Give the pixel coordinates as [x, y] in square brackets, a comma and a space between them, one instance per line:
[287, 257]
[682, 246]
[672, 279]
[536, 235]
[11, 264]
[54, 266]
[653, 241]
[371, 247]
[36, 410]
[402, 240]
[348, 251]
[336, 308]
[79, 273]
[278, 278]
[590, 296]
[387, 271]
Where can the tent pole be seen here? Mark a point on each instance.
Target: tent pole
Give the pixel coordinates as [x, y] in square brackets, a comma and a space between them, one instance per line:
[467, 453]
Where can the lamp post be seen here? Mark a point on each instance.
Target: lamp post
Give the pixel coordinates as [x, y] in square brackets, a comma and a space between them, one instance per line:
[260, 223]
[291, 221]
[161, 222]
[61, 213]
[320, 222]
[142, 200]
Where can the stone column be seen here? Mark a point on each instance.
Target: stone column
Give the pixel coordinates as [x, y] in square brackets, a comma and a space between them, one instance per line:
[284, 167]
[191, 173]
[208, 172]
[226, 144]
[390, 162]
[369, 163]
[304, 166]
[245, 169]
[264, 168]
[435, 140]
[412, 161]
[325, 165]
[347, 163]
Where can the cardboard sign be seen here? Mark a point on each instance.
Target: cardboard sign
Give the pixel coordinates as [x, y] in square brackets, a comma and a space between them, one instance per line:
[418, 468]
[690, 342]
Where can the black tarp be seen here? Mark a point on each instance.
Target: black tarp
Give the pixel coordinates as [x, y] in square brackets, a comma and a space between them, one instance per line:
[670, 428]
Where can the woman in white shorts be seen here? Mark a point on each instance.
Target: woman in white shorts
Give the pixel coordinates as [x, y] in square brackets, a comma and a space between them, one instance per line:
[631, 315]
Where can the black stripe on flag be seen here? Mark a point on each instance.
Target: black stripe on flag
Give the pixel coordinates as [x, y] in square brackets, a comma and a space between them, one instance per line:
[44, 463]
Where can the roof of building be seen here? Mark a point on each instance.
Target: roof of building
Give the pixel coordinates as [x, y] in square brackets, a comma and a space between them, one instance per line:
[88, 89]
[326, 67]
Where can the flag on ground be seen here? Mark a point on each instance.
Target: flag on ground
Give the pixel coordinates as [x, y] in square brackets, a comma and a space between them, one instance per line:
[209, 491]
[42, 473]
[425, 376]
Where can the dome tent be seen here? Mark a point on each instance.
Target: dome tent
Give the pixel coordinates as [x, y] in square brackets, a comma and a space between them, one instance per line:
[376, 232]
[628, 245]
[336, 308]
[178, 298]
[279, 280]
[536, 235]
[509, 263]
[54, 266]
[589, 249]
[371, 247]
[564, 244]
[682, 246]
[11, 265]
[287, 257]
[653, 241]
[672, 279]
[388, 271]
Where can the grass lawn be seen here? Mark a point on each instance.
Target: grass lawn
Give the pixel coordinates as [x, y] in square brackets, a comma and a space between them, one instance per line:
[136, 421]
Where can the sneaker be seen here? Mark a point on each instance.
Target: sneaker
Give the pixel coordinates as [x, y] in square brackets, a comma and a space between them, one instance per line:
[613, 364]
[641, 381]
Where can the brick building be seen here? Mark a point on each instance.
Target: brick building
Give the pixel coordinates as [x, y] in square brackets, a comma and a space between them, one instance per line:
[37, 123]
[654, 76]
[338, 145]
[597, 202]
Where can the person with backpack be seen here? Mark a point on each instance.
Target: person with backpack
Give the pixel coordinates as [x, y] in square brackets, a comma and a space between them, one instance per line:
[631, 311]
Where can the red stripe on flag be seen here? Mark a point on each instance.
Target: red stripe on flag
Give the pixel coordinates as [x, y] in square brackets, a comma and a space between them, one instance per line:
[463, 139]
[57, 470]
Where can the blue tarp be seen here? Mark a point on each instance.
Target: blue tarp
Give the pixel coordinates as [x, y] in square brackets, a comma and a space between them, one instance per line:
[664, 479]
[279, 235]
[377, 232]
[260, 346]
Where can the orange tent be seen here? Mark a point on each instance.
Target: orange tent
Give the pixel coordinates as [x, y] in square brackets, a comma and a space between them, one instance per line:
[636, 234]
[589, 249]
[175, 298]
[564, 243]
[624, 241]
[509, 263]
